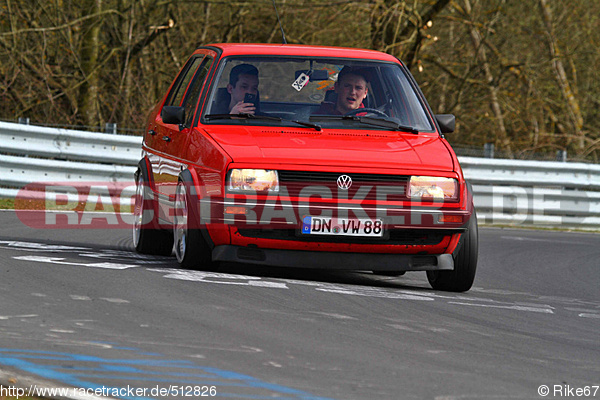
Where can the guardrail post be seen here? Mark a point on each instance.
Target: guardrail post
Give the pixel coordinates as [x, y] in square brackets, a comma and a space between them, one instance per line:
[488, 150]
[24, 120]
[561, 155]
[111, 127]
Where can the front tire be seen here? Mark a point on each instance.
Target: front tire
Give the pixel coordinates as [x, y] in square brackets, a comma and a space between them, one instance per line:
[191, 249]
[465, 263]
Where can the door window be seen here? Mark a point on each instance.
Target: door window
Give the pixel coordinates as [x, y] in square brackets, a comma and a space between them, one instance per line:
[183, 80]
[191, 97]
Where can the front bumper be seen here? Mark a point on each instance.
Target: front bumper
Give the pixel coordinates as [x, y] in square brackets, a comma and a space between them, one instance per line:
[333, 260]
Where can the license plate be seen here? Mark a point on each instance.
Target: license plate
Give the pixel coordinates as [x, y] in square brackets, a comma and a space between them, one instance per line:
[342, 227]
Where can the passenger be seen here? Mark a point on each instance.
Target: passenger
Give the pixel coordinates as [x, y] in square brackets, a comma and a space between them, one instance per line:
[242, 79]
[351, 89]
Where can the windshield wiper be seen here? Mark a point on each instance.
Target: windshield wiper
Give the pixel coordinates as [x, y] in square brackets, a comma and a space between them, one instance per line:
[379, 122]
[263, 117]
[242, 116]
[307, 124]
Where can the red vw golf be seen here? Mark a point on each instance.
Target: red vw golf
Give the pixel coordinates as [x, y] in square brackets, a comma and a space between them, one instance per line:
[304, 156]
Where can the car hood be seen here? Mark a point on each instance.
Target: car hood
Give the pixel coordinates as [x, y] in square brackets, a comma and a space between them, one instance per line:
[344, 148]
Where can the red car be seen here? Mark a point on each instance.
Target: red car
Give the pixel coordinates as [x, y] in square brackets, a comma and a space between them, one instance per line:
[304, 156]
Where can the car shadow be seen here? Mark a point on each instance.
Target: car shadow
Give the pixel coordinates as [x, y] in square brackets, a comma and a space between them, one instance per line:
[124, 251]
[414, 280]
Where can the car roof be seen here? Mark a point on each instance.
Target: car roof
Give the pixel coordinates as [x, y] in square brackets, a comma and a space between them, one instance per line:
[229, 49]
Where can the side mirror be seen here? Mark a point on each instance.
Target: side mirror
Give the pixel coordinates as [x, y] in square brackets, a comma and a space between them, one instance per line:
[447, 122]
[173, 115]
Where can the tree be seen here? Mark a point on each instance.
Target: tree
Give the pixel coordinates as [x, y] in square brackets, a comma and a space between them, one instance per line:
[88, 106]
[509, 74]
[399, 28]
[560, 73]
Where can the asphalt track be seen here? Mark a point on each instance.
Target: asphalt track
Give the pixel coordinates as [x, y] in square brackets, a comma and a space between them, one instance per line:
[78, 308]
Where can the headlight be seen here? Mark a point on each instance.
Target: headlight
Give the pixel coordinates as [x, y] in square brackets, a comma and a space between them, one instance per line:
[256, 180]
[433, 188]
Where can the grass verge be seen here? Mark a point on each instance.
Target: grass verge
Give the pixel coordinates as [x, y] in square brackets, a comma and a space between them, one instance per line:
[6, 204]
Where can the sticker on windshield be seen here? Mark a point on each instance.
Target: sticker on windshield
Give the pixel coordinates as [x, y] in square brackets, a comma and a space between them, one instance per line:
[300, 82]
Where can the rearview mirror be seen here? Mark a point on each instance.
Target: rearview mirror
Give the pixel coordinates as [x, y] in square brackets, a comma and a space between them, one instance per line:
[315, 74]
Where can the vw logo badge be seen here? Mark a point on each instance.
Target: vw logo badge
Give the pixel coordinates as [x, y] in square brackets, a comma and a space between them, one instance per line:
[344, 182]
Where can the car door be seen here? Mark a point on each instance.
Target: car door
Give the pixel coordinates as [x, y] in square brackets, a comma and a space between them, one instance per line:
[175, 137]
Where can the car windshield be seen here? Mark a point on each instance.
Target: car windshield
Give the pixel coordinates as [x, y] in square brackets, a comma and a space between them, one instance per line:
[318, 92]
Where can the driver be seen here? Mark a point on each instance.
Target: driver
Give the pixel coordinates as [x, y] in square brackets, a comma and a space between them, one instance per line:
[351, 89]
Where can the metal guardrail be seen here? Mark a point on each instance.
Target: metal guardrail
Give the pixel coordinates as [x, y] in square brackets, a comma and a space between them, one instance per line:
[67, 144]
[33, 154]
[532, 173]
[537, 193]
[508, 192]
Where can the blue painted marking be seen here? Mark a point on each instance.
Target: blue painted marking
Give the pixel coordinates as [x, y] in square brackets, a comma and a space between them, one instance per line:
[133, 372]
[47, 373]
[124, 348]
[76, 357]
[116, 368]
[104, 368]
[170, 381]
[186, 382]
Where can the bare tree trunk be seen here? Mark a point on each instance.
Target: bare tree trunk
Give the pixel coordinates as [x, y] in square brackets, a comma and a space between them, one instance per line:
[206, 23]
[127, 21]
[476, 40]
[89, 107]
[413, 54]
[561, 75]
[396, 27]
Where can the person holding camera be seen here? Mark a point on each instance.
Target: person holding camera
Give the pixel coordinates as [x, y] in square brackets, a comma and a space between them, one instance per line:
[243, 88]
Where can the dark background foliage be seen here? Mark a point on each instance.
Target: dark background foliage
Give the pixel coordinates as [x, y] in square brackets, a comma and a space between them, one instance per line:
[519, 74]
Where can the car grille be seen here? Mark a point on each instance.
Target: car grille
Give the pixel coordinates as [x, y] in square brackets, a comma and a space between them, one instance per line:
[364, 186]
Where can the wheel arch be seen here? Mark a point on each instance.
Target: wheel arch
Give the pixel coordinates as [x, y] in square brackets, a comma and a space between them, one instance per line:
[195, 188]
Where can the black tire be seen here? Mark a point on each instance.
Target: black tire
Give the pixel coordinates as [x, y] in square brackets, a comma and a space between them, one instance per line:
[191, 249]
[465, 264]
[148, 238]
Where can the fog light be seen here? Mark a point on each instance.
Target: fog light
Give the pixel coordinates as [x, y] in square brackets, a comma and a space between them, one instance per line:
[454, 219]
[235, 210]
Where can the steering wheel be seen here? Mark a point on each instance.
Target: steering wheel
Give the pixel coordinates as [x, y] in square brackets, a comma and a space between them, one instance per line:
[367, 110]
